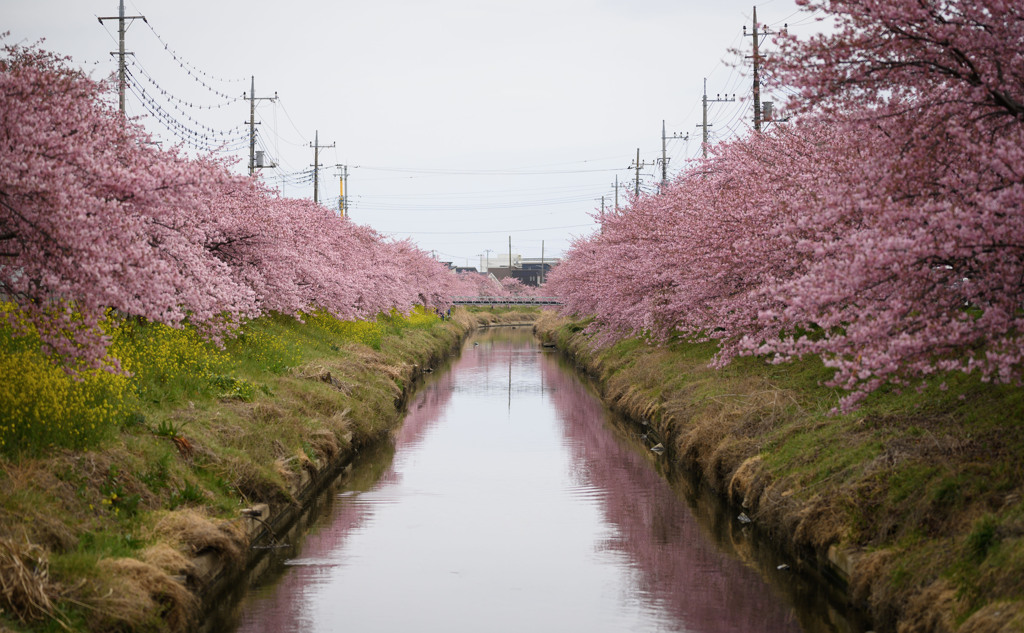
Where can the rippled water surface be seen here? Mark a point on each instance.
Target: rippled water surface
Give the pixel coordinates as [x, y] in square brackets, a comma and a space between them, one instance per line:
[510, 504]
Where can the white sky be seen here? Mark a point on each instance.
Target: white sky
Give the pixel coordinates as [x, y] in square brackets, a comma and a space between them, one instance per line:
[422, 98]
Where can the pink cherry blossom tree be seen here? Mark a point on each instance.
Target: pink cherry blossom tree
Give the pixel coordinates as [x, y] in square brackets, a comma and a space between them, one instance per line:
[512, 287]
[472, 284]
[94, 216]
[881, 228]
[81, 222]
[927, 275]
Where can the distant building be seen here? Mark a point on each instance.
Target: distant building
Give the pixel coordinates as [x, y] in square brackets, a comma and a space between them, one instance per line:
[530, 271]
[489, 263]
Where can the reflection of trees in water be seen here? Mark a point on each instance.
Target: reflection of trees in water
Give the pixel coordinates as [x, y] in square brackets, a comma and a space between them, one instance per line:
[501, 361]
[678, 568]
[285, 604]
[426, 409]
[487, 355]
[681, 569]
[288, 606]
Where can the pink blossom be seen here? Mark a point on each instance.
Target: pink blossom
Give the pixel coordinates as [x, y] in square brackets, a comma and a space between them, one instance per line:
[93, 216]
[881, 229]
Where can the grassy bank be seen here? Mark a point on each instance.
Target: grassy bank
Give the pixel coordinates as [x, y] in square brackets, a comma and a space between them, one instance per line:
[915, 501]
[121, 491]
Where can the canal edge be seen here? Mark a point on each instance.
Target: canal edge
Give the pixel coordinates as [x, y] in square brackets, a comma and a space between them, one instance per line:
[216, 576]
[832, 566]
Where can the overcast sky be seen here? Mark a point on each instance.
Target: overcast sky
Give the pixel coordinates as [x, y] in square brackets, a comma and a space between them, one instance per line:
[462, 123]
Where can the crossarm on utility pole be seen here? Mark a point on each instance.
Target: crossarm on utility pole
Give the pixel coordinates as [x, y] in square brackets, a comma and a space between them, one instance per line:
[121, 74]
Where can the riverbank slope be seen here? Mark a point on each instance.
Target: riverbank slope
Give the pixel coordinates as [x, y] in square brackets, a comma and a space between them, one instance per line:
[207, 452]
[914, 503]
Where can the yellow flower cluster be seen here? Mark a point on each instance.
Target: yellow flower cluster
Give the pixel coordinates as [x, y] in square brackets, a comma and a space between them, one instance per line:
[363, 332]
[264, 348]
[157, 355]
[420, 317]
[369, 333]
[44, 406]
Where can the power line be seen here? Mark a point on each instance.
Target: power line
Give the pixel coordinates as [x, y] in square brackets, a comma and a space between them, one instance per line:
[547, 228]
[483, 172]
[480, 206]
[189, 136]
[191, 69]
[172, 97]
[173, 104]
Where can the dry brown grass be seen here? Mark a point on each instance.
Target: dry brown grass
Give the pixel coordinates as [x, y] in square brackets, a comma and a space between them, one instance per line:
[328, 373]
[133, 595]
[195, 533]
[748, 482]
[819, 522]
[25, 588]
[168, 559]
[361, 354]
[725, 431]
[256, 484]
[547, 322]
[930, 610]
[325, 443]
[998, 617]
[51, 501]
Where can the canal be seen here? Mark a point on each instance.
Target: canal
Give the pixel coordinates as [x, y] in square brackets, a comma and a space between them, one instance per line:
[512, 500]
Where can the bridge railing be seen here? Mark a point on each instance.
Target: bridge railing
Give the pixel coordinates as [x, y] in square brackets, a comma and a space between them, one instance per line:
[519, 301]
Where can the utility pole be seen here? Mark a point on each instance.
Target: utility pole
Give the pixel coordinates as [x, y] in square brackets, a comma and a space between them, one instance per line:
[343, 200]
[705, 124]
[616, 192]
[316, 165]
[121, 17]
[509, 255]
[757, 67]
[252, 122]
[541, 262]
[637, 166]
[757, 77]
[487, 260]
[664, 149]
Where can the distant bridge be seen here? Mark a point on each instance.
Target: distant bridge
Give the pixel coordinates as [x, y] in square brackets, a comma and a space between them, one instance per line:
[506, 301]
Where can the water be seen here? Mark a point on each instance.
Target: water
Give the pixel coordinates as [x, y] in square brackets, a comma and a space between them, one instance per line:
[511, 501]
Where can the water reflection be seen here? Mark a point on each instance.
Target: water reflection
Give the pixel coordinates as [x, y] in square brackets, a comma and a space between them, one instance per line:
[511, 505]
[680, 569]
